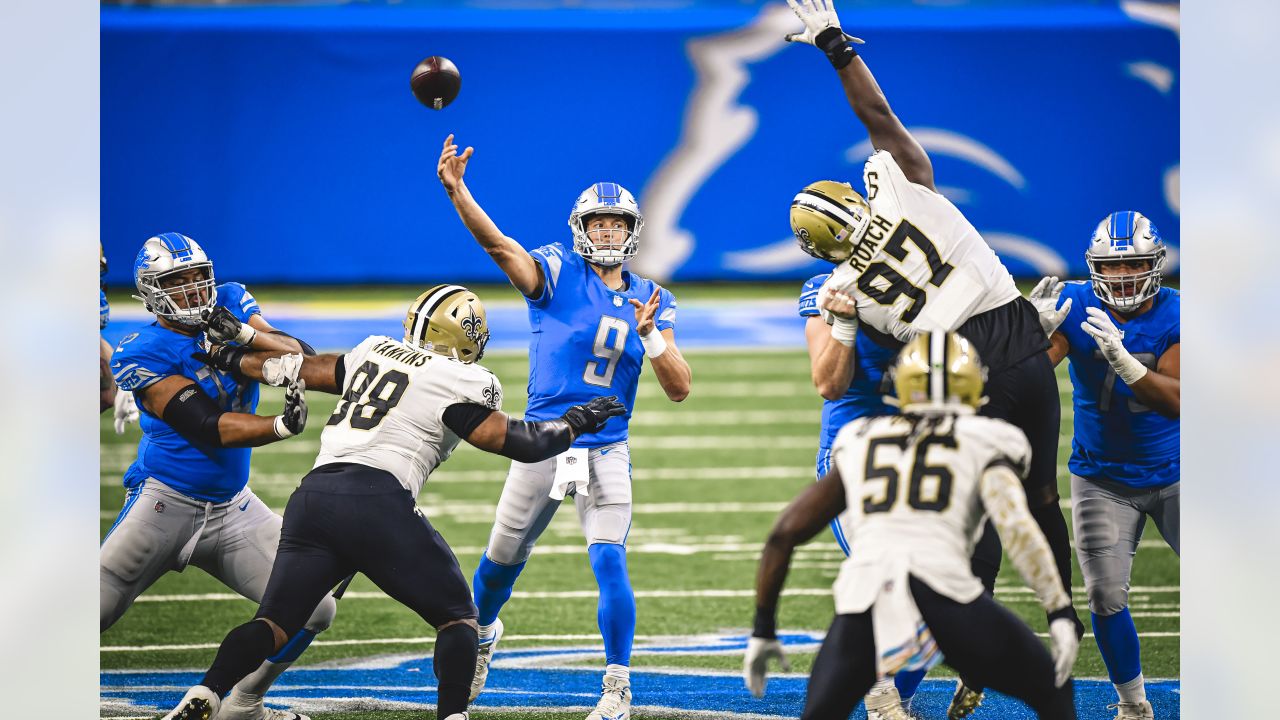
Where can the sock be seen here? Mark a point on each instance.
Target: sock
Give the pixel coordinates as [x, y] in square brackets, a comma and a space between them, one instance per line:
[244, 649]
[622, 672]
[492, 585]
[454, 665]
[1054, 527]
[1134, 691]
[907, 682]
[616, 613]
[1118, 642]
[487, 632]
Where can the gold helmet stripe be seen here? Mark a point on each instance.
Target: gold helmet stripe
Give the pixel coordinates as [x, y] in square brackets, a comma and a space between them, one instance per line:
[824, 205]
[938, 367]
[428, 306]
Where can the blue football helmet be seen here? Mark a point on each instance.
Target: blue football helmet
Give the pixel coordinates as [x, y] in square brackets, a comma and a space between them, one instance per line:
[1127, 236]
[162, 256]
[605, 198]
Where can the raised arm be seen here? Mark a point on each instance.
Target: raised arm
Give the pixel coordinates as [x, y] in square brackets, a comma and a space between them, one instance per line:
[672, 370]
[520, 267]
[822, 30]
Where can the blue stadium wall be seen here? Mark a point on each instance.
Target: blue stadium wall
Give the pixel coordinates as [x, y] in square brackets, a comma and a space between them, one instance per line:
[286, 139]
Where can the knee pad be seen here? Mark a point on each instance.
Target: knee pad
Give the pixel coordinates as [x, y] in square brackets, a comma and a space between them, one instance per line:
[322, 617]
[508, 546]
[1108, 598]
[1095, 529]
[610, 525]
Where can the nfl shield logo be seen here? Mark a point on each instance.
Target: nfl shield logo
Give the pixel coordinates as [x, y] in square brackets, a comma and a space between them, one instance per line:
[159, 506]
[571, 460]
[617, 301]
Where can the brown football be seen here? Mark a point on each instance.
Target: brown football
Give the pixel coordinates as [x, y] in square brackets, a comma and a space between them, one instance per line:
[435, 82]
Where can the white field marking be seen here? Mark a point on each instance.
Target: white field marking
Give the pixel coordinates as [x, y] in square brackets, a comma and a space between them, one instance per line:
[665, 418]
[800, 389]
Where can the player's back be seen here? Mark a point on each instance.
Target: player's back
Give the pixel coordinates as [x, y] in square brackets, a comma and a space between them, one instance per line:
[391, 413]
[934, 270]
[912, 488]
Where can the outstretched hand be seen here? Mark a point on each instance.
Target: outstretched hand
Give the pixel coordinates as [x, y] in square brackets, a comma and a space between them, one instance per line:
[452, 166]
[646, 312]
[817, 15]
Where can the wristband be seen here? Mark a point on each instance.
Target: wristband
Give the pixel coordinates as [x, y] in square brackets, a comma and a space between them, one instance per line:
[766, 624]
[654, 343]
[844, 331]
[246, 334]
[838, 50]
[1129, 369]
[282, 431]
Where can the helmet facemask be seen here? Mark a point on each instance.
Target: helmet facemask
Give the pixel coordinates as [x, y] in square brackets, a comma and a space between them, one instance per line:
[1126, 293]
[160, 259]
[605, 198]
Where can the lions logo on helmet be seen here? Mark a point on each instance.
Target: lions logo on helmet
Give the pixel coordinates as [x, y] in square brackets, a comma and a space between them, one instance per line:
[939, 373]
[450, 320]
[1128, 238]
[606, 198]
[162, 256]
[828, 219]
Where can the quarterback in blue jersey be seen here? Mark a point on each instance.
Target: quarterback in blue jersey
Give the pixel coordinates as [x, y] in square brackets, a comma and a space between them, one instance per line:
[1120, 331]
[593, 324]
[188, 501]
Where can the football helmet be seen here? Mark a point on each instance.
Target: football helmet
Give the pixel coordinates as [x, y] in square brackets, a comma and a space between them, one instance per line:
[163, 255]
[450, 320]
[1125, 235]
[609, 199]
[828, 219]
[939, 373]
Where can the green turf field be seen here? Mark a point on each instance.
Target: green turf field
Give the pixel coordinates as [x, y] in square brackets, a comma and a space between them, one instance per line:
[710, 476]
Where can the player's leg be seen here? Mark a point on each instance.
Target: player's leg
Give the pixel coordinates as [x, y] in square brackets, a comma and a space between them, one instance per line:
[839, 526]
[524, 511]
[605, 515]
[986, 642]
[1108, 521]
[248, 536]
[406, 557]
[141, 546]
[844, 669]
[1165, 509]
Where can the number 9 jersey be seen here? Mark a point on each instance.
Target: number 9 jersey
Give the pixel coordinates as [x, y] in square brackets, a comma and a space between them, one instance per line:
[584, 342]
[391, 414]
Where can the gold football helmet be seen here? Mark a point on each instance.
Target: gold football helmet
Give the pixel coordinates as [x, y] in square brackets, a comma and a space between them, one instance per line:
[828, 219]
[448, 319]
[939, 372]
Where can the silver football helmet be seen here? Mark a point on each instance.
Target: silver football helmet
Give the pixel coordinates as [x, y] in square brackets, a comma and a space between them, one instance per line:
[608, 199]
[162, 256]
[1125, 236]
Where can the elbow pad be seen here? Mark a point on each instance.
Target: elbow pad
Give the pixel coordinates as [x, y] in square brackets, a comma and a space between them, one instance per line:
[535, 441]
[306, 349]
[195, 416]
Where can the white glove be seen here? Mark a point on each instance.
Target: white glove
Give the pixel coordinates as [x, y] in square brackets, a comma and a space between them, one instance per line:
[817, 15]
[1110, 341]
[842, 310]
[1044, 296]
[1065, 645]
[126, 410]
[755, 664]
[283, 370]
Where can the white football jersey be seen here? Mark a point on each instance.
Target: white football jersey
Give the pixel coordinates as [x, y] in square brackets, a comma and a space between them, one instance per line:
[913, 498]
[923, 266]
[391, 415]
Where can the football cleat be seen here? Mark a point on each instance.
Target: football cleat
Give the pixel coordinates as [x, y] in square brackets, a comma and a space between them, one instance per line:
[615, 700]
[1133, 711]
[242, 706]
[483, 658]
[885, 705]
[964, 702]
[459, 716]
[200, 703]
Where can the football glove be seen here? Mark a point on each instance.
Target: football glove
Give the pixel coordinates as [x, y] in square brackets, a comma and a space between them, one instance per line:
[1110, 341]
[755, 664]
[1044, 296]
[126, 410]
[220, 326]
[293, 419]
[822, 30]
[1065, 645]
[279, 371]
[590, 418]
[223, 357]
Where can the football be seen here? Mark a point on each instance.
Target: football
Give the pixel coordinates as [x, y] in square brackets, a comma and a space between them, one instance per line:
[435, 82]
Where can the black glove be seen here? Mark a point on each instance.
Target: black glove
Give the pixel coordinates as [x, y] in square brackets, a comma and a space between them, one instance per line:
[590, 418]
[293, 419]
[223, 357]
[220, 326]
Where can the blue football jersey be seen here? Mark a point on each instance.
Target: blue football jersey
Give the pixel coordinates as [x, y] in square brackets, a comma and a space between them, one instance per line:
[866, 390]
[1116, 437]
[104, 310]
[584, 342]
[154, 353]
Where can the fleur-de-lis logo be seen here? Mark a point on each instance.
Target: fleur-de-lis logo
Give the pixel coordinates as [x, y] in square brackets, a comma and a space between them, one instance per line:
[471, 325]
[492, 396]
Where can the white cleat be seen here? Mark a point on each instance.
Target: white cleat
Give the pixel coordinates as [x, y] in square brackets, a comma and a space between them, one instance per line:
[615, 700]
[198, 704]
[1133, 711]
[885, 705]
[459, 716]
[483, 658]
[243, 706]
[964, 702]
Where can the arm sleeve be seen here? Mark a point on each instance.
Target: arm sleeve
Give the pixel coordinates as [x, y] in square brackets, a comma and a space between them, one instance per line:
[552, 258]
[536, 441]
[1006, 503]
[464, 418]
[195, 416]
[666, 318]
